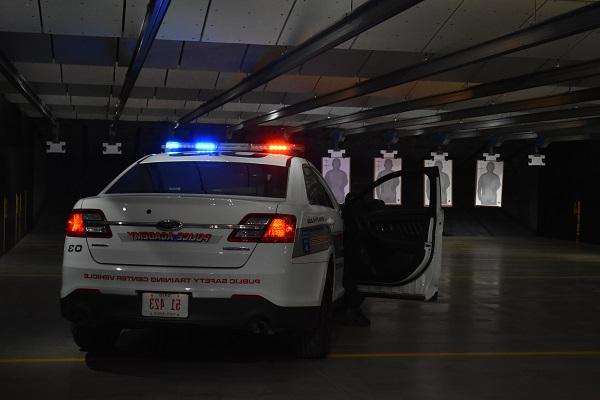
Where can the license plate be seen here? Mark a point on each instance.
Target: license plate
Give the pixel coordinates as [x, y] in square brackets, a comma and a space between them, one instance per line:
[166, 305]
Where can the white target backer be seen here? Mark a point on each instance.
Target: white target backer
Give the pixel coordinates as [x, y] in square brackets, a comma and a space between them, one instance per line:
[488, 185]
[445, 167]
[336, 171]
[391, 191]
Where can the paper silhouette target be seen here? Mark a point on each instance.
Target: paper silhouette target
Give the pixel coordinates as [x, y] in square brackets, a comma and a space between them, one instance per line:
[488, 186]
[336, 172]
[391, 191]
[445, 167]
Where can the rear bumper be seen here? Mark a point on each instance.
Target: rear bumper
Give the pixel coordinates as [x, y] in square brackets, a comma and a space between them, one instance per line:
[251, 313]
[270, 273]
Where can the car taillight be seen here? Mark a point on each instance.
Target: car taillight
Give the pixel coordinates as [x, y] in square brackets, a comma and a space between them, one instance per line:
[88, 223]
[282, 229]
[265, 228]
[75, 224]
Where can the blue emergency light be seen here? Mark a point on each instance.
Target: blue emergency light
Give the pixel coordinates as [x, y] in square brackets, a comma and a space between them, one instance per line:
[205, 146]
[174, 146]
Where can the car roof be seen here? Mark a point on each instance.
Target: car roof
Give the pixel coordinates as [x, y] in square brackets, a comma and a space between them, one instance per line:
[226, 156]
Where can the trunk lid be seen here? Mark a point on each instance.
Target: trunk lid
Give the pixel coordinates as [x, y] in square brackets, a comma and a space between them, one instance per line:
[137, 240]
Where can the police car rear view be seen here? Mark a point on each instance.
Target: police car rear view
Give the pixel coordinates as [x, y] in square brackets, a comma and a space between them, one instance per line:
[215, 236]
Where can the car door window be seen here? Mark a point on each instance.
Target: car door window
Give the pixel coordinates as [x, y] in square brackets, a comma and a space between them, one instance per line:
[315, 191]
[388, 247]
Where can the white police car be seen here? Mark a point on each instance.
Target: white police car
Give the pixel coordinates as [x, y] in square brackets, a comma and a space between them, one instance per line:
[234, 236]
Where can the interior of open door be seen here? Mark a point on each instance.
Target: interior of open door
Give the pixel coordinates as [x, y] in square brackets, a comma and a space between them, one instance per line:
[393, 251]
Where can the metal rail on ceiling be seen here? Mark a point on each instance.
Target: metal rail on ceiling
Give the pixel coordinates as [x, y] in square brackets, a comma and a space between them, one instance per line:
[155, 13]
[558, 100]
[13, 75]
[364, 17]
[577, 21]
[548, 120]
[527, 81]
[545, 134]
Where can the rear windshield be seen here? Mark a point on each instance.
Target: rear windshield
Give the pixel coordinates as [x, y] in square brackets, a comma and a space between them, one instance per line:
[204, 177]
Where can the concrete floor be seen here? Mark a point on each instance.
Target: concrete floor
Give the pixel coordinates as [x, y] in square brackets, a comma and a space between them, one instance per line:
[516, 318]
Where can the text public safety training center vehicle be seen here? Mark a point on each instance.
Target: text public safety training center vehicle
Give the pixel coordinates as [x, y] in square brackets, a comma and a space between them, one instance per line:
[233, 236]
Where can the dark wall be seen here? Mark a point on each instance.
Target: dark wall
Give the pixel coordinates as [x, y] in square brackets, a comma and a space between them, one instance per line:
[84, 171]
[572, 174]
[521, 185]
[18, 148]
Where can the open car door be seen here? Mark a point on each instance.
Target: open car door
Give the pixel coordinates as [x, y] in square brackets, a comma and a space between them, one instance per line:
[393, 251]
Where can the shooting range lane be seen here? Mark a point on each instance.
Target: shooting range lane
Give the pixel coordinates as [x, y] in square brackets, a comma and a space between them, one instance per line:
[512, 316]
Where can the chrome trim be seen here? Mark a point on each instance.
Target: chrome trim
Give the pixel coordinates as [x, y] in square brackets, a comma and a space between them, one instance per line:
[184, 225]
[236, 248]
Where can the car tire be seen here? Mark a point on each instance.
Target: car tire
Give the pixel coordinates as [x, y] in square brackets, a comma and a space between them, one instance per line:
[434, 297]
[315, 344]
[94, 338]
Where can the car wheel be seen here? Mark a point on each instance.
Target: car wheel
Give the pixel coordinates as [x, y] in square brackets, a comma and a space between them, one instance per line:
[316, 343]
[94, 338]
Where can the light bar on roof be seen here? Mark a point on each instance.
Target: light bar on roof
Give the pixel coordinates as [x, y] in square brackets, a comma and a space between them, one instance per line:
[210, 147]
[205, 146]
[183, 146]
[172, 145]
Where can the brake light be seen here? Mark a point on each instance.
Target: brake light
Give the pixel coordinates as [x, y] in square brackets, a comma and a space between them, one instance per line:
[88, 223]
[282, 229]
[75, 224]
[265, 228]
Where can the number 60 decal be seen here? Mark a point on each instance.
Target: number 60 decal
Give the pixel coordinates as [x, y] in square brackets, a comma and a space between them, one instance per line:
[74, 248]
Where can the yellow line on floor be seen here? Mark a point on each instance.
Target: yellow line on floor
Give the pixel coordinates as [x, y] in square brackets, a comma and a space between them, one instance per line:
[9, 275]
[41, 360]
[468, 354]
[539, 277]
[78, 360]
[21, 275]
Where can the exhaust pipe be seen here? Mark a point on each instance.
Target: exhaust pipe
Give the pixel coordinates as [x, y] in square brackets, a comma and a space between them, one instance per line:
[80, 314]
[260, 326]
